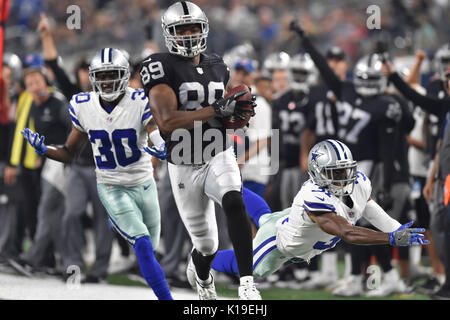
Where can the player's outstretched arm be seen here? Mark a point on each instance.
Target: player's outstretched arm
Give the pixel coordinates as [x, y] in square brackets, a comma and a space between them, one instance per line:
[338, 226]
[65, 153]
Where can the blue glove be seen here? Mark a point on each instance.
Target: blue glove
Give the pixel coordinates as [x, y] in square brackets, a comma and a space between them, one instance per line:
[158, 152]
[405, 236]
[36, 142]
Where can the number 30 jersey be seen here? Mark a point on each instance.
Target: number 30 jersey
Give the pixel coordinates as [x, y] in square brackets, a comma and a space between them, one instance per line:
[298, 236]
[117, 138]
[194, 86]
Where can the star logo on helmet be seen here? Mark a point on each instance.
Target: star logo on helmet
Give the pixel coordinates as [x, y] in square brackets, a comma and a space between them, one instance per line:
[315, 155]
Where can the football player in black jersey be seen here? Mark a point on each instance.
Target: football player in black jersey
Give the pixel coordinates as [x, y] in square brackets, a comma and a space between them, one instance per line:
[290, 111]
[186, 86]
[322, 122]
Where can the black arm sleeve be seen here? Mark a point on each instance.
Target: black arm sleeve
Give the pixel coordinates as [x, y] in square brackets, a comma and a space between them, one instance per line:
[432, 105]
[65, 85]
[331, 79]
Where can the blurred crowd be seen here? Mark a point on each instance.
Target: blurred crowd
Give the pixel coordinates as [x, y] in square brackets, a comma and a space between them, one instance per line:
[45, 59]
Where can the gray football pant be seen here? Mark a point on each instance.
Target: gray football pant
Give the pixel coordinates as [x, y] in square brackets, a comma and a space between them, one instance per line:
[48, 229]
[173, 230]
[82, 188]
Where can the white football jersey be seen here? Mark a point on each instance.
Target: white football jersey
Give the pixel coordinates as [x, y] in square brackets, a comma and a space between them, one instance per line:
[117, 138]
[298, 236]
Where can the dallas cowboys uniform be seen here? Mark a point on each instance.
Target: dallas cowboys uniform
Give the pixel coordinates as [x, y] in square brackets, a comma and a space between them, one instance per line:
[198, 174]
[291, 234]
[124, 171]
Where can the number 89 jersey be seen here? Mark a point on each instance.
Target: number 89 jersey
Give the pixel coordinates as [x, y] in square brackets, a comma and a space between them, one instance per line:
[194, 86]
[117, 138]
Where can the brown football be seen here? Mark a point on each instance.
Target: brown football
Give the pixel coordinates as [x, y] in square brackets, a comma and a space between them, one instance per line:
[232, 122]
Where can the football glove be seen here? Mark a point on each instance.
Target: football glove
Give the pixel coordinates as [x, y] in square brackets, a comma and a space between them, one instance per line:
[36, 142]
[406, 236]
[295, 26]
[229, 106]
[157, 152]
[245, 113]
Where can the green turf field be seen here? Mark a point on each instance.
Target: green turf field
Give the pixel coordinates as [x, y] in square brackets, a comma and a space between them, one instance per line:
[275, 293]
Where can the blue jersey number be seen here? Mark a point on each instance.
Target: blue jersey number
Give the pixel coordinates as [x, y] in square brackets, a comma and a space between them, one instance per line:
[106, 160]
[138, 92]
[320, 245]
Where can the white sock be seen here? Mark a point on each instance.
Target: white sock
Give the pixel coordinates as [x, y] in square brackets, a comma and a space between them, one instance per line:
[329, 264]
[348, 265]
[246, 280]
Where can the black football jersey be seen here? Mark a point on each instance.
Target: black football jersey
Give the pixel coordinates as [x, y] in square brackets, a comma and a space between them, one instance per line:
[365, 121]
[289, 116]
[322, 117]
[195, 87]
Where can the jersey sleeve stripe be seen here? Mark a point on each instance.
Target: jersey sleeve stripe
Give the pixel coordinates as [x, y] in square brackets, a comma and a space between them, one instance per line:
[76, 122]
[318, 207]
[72, 110]
[147, 107]
[146, 115]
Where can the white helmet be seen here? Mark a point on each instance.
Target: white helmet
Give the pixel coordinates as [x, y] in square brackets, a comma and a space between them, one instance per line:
[109, 60]
[184, 13]
[331, 166]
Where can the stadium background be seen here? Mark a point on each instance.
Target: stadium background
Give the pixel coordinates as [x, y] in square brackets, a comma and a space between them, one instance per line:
[135, 27]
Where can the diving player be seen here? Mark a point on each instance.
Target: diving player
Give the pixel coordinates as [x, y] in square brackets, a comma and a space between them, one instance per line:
[185, 88]
[324, 211]
[116, 120]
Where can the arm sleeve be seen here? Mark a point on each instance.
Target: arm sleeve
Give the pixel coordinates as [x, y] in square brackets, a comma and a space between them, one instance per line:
[379, 218]
[328, 75]
[428, 103]
[65, 85]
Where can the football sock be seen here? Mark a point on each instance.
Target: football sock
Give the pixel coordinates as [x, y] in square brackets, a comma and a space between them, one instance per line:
[150, 268]
[202, 264]
[256, 206]
[225, 261]
[239, 231]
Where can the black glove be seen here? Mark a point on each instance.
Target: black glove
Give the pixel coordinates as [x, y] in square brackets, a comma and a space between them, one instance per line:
[385, 200]
[245, 113]
[295, 26]
[225, 106]
[229, 106]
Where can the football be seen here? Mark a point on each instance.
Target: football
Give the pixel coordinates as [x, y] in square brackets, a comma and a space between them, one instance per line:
[232, 122]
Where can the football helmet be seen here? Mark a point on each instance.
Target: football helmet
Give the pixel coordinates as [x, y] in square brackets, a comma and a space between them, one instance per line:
[368, 79]
[112, 61]
[13, 61]
[184, 13]
[276, 61]
[302, 73]
[331, 166]
[442, 60]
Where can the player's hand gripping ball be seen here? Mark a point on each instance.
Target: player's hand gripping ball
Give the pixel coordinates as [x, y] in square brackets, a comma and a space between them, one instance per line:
[244, 110]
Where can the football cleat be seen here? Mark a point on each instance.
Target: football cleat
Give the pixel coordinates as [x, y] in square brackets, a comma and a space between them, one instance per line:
[351, 288]
[247, 290]
[205, 288]
[391, 284]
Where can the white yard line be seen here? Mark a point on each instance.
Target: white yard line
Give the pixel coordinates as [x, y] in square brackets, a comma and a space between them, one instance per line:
[23, 288]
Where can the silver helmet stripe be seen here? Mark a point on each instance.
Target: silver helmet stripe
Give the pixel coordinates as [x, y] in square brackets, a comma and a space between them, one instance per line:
[342, 147]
